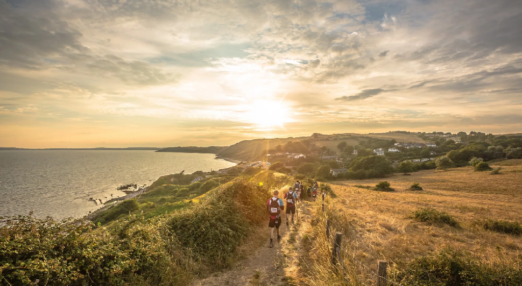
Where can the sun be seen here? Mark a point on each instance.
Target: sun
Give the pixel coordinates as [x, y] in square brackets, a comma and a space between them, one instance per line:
[268, 114]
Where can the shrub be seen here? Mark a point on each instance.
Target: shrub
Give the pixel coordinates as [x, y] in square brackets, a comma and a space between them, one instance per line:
[323, 172]
[496, 171]
[212, 231]
[452, 267]
[75, 253]
[502, 226]
[306, 168]
[147, 205]
[113, 213]
[433, 216]
[383, 185]
[475, 161]
[251, 171]
[380, 164]
[444, 163]
[280, 167]
[482, 166]
[416, 186]
[405, 167]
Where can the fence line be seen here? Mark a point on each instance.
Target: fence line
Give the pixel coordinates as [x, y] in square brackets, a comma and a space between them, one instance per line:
[381, 276]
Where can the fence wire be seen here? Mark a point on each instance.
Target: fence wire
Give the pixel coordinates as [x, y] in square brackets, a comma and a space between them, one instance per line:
[340, 258]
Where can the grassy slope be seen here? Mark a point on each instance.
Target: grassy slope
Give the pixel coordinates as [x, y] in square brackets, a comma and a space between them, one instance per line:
[378, 225]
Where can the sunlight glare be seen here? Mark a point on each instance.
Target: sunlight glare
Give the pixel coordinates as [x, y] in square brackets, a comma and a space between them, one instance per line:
[268, 114]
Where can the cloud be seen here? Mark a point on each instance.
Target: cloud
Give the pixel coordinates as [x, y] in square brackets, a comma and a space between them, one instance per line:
[367, 93]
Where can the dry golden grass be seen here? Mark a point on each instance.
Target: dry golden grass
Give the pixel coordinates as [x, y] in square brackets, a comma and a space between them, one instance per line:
[378, 225]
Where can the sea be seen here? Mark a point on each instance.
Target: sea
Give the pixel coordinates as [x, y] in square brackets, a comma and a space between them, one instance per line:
[59, 183]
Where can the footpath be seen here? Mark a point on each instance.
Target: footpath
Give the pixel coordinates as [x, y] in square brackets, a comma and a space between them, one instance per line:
[269, 266]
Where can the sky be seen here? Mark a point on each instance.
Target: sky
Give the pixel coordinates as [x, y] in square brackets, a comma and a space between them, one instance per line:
[119, 73]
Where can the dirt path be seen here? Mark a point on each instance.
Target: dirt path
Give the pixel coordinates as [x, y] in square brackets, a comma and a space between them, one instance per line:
[269, 266]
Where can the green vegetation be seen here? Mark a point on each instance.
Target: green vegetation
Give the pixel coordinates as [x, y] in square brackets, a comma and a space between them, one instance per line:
[416, 187]
[433, 216]
[405, 167]
[502, 226]
[152, 248]
[475, 161]
[280, 167]
[496, 171]
[383, 185]
[328, 190]
[451, 267]
[444, 162]
[482, 166]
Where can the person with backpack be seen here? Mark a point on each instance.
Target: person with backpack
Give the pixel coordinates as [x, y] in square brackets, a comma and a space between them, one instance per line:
[291, 202]
[314, 192]
[275, 205]
[309, 192]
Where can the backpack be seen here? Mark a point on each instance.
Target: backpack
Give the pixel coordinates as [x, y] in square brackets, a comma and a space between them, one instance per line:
[274, 207]
[290, 198]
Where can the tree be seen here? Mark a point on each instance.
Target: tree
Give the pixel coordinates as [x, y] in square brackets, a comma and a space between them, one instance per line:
[323, 172]
[378, 164]
[341, 146]
[405, 167]
[475, 161]
[348, 150]
[307, 168]
[443, 162]
[425, 153]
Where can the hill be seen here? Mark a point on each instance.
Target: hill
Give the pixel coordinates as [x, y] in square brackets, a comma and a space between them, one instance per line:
[250, 150]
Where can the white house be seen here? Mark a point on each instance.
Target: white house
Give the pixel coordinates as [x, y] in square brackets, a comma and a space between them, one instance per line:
[335, 172]
[379, 152]
[300, 156]
[433, 145]
[393, 150]
[355, 152]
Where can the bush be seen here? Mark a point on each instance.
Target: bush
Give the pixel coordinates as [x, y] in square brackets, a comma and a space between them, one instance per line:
[280, 167]
[502, 226]
[306, 168]
[433, 216]
[378, 164]
[125, 207]
[383, 185]
[451, 267]
[482, 166]
[405, 167]
[323, 172]
[416, 187]
[444, 163]
[475, 161]
[131, 252]
[496, 171]
[212, 231]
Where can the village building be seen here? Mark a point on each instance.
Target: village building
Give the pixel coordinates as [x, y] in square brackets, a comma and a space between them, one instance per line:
[379, 152]
[393, 150]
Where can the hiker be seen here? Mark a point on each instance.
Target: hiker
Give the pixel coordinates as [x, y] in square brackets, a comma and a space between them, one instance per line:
[309, 192]
[314, 192]
[296, 185]
[274, 206]
[324, 194]
[291, 202]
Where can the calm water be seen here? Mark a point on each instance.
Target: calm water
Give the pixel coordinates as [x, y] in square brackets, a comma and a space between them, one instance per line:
[59, 183]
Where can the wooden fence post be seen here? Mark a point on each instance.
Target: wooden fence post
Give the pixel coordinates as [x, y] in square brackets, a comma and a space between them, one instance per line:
[327, 228]
[323, 207]
[337, 244]
[383, 274]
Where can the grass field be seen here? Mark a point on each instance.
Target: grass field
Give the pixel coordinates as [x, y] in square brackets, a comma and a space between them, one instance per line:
[381, 226]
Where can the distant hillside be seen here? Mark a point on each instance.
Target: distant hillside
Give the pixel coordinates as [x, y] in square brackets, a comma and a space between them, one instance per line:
[250, 150]
[194, 149]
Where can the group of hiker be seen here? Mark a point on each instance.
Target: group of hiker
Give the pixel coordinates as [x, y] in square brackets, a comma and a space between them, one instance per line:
[275, 206]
